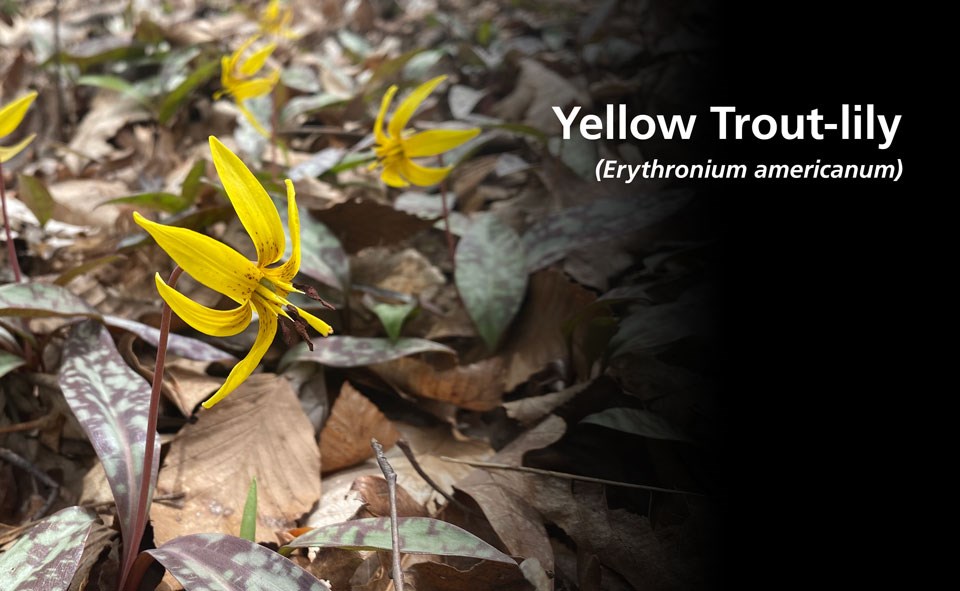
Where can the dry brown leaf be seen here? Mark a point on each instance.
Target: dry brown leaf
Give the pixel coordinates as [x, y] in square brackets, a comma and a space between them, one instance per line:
[188, 386]
[108, 114]
[375, 495]
[345, 439]
[485, 575]
[535, 340]
[360, 223]
[406, 271]
[258, 431]
[77, 201]
[538, 89]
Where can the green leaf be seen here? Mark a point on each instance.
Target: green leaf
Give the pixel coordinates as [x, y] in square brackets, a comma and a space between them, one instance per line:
[9, 362]
[248, 523]
[109, 400]
[550, 239]
[47, 556]
[74, 272]
[117, 84]
[358, 351]
[418, 535]
[173, 101]
[163, 201]
[351, 161]
[393, 316]
[35, 195]
[636, 421]
[191, 184]
[491, 275]
[301, 105]
[226, 563]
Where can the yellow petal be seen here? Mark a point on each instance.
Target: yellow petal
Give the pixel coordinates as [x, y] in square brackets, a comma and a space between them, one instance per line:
[227, 79]
[288, 270]
[253, 88]
[216, 323]
[409, 105]
[423, 176]
[242, 370]
[8, 153]
[436, 141]
[12, 114]
[249, 116]
[384, 105]
[391, 176]
[252, 65]
[236, 55]
[212, 263]
[317, 324]
[254, 207]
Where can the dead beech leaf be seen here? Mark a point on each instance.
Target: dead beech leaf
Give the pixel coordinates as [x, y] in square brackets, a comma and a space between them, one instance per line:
[108, 114]
[360, 223]
[406, 271]
[258, 431]
[487, 574]
[535, 340]
[375, 495]
[345, 439]
[538, 89]
[188, 387]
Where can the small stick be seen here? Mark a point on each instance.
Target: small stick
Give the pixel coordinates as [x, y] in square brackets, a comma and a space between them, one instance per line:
[495, 466]
[11, 249]
[390, 474]
[29, 425]
[20, 462]
[405, 448]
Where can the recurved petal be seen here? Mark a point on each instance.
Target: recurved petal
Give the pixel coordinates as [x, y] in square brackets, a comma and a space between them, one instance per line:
[251, 118]
[391, 175]
[216, 323]
[249, 89]
[288, 270]
[317, 324]
[436, 141]
[252, 65]
[236, 55]
[384, 105]
[242, 370]
[409, 105]
[254, 207]
[212, 263]
[8, 153]
[12, 114]
[423, 176]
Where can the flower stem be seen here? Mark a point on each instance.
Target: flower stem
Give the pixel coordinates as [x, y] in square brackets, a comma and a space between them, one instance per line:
[11, 249]
[132, 547]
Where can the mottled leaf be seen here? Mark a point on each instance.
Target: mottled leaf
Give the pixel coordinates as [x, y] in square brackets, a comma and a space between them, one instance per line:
[301, 105]
[636, 421]
[35, 195]
[176, 344]
[46, 557]
[173, 101]
[220, 562]
[357, 351]
[418, 535]
[550, 239]
[9, 362]
[168, 202]
[392, 316]
[491, 276]
[321, 254]
[110, 401]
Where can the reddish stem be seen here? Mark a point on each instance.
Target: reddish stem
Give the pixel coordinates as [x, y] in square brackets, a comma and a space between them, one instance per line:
[11, 250]
[146, 481]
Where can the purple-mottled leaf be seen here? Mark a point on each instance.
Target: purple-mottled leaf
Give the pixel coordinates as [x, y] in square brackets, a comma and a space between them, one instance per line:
[224, 563]
[321, 254]
[46, 557]
[110, 401]
[550, 239]
[356, 351]
[418, 535]
[176, 344]
[491, 276]
[636, 421]
[9, 362]
[44, 299]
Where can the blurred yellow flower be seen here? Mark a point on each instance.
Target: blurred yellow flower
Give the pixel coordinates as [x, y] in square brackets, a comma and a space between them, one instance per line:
[255, 285]
[276, 21]
[396, 147]
[10, 117]
[237, 78]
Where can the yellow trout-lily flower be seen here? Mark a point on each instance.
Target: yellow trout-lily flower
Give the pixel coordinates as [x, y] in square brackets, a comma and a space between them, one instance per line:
[255, 285]
[237, 77]
[276, 21]
[10, 117]
[395, 148]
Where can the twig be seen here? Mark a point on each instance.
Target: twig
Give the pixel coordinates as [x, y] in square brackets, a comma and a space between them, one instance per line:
[405, 448]
[495, 466]
[156, 499]
[11, 249]
[25, 464]
[146, 482]
[29, 425]
[390, 474]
